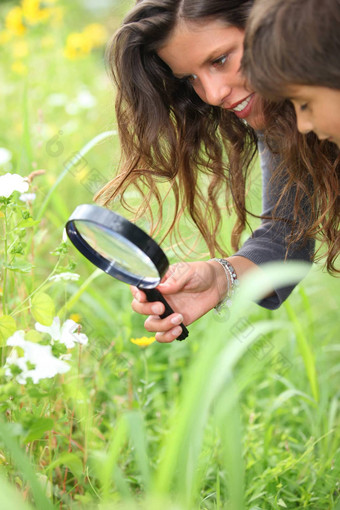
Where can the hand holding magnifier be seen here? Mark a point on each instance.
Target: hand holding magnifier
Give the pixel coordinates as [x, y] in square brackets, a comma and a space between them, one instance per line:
[121, 249]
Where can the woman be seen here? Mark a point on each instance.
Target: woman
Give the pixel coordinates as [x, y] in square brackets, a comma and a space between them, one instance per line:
[183, 110]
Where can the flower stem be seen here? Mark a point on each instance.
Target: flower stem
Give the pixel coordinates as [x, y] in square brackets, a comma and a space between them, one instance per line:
[5, 269]
[20, 307]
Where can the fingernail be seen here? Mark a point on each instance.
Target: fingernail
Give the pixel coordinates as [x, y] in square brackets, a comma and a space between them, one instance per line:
[177, 331]
[137, 296]
[177, 319]
[156, 309]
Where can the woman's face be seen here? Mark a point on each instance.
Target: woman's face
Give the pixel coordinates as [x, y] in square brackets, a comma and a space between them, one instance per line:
[209, 56]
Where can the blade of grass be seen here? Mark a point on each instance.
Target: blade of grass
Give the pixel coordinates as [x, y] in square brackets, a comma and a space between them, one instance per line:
[73, 299]
[305, 351]
[138, 437]
[92, 143]
[108, 468]
[10, 498]
[25, 466]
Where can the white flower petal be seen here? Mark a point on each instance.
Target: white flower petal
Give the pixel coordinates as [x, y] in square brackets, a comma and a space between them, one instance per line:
[65, 276]
[86, 100]
[53, 330]
[45, 364]
[5, 156]
[17, 339]
[57, 99]
[68, 335]
[12, 182]
[27, 197]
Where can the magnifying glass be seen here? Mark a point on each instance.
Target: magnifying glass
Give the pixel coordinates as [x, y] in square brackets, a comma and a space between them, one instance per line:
[121, 249]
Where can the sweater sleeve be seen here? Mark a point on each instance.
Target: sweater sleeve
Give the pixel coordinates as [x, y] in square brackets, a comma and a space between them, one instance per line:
[268, 242]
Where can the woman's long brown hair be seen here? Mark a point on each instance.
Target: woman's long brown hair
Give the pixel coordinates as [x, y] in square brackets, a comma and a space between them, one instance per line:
[168, 133]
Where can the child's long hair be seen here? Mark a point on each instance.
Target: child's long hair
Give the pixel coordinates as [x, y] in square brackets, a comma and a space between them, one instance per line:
[168, 133]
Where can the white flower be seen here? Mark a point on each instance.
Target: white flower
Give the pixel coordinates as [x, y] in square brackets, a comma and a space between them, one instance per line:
[64, 277]
[65, 236]
[57, 99]
[86, 100]
[45, 364]
[66, 334]
[12, 182]
[83, 101]
[5, 156]
[27, 197]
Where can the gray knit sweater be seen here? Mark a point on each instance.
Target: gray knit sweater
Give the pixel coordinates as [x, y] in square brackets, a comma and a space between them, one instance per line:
[267, 243]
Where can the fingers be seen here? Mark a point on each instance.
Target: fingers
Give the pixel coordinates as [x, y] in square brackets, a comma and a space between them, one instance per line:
[141, 305]
[167, 329]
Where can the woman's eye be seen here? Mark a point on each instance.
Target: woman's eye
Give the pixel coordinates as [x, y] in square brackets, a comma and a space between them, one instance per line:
[192, 78]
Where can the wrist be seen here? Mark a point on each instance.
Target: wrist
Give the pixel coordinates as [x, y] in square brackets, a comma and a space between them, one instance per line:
[221, 282]
[232, 283]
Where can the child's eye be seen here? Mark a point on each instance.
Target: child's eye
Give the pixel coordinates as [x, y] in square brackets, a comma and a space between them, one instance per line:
[220, 61]
[303, 107]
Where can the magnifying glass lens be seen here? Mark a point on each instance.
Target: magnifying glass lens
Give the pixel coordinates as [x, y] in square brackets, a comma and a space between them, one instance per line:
[122, 253]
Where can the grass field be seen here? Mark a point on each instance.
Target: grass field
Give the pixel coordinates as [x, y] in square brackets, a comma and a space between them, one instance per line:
[93, 413]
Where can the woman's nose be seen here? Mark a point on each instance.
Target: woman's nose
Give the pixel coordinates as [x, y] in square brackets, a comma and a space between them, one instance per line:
[215, 89]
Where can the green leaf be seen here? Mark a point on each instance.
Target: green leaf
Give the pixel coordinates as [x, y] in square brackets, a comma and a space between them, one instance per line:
[43, 309]
[27, 223]
[19, 265]
[38, 428]
[7, 328]
[33, 336]
[69, 460]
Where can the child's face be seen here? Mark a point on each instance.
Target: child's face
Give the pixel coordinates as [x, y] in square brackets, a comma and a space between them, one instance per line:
[317, 109]
[209, 56]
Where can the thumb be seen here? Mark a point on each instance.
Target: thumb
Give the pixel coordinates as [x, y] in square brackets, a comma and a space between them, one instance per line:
[176, 277]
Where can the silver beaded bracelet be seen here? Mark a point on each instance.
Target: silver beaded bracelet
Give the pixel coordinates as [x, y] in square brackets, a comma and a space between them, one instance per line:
[232, 283]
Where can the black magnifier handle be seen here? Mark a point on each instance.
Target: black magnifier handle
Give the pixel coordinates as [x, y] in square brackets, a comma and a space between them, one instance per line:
[155, 295]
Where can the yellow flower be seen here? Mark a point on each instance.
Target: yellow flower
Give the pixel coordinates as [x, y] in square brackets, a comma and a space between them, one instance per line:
[48, 42]
[96, 34]
[20, 49]
[144, 341]
[77, 45]
[19, 68]
[75, 317]
[32, 12]
[57, 14]
[14, 21]
[5, 36]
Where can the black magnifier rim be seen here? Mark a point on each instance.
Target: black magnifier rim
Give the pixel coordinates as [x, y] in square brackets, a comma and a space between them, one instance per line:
[102, 217]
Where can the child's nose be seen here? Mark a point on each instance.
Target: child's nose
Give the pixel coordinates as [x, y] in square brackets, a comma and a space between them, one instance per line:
[304, 123]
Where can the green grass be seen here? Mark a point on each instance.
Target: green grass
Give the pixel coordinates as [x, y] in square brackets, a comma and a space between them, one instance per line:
[243, 414]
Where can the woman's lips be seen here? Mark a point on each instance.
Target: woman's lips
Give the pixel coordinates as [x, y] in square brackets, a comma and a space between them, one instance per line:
[242, 108]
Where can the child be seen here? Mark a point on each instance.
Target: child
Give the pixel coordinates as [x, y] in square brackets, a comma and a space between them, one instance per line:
[292, 50]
